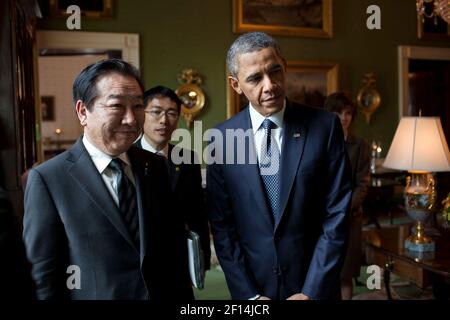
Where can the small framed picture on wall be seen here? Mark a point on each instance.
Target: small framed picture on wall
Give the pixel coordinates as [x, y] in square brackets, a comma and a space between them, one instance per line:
[48, 108]
[89, 8]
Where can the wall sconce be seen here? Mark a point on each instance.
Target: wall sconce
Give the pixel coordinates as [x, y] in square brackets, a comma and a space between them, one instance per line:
[190, 94]
[368, 98]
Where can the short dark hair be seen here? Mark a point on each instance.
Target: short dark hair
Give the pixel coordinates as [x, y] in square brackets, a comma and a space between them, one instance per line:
[161, 91]
[338, 101]
[84, 86]
[249, 42]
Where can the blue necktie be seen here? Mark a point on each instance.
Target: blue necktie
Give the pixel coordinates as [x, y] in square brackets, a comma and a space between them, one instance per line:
[127, 200]
[269, 165]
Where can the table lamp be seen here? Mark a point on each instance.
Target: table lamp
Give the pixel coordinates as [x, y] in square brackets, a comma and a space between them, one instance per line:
[419, 146]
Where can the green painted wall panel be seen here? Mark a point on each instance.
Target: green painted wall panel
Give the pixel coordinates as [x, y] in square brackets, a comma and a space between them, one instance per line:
[176, 34]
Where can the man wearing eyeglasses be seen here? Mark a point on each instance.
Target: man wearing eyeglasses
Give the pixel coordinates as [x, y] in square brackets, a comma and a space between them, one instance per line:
[162, 110]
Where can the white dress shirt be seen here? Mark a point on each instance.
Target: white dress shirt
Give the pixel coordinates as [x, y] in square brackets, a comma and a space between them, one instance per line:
[101, 161]
[258, 132]
[147, 146]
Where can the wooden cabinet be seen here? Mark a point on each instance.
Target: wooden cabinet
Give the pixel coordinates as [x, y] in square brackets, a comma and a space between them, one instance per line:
[18, 146]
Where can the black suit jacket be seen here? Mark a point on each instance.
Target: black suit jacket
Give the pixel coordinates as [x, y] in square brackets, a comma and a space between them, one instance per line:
[303, 249]
[189, 197]
[71, 219]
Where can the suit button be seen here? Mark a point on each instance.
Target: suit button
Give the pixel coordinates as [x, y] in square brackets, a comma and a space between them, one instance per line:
[275, 270]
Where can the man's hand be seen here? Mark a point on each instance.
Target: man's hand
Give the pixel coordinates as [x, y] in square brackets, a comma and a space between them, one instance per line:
[298, 296]
[263, 298]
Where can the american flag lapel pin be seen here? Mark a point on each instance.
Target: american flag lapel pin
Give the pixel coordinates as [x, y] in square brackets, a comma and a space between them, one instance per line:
[146, 169]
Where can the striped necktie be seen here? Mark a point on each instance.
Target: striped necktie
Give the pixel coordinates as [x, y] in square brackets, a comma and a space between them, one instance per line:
[127, 199]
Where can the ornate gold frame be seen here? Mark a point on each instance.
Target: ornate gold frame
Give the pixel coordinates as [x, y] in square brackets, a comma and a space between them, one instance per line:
[331, 70]
[107, 12]
[368, 97]
[421, 34]
[189, 112]
[325, 32]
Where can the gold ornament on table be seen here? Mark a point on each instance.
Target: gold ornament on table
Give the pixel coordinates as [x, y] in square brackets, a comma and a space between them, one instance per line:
[190, 94]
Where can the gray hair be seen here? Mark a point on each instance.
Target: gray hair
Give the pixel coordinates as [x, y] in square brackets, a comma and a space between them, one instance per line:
[249, 42]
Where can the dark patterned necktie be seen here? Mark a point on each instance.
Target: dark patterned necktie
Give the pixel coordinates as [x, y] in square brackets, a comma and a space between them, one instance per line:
[269, 165]
[127, 199]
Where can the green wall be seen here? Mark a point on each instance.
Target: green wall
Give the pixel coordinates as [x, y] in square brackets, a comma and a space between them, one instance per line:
[176, 34]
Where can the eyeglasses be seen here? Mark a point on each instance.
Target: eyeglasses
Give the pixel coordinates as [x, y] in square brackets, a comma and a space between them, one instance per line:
[157, 114]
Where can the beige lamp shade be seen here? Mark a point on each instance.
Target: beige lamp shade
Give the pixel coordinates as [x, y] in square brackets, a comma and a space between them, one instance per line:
[419, 145]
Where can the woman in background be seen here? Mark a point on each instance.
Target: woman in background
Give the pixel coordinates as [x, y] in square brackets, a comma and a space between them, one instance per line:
[358, 152]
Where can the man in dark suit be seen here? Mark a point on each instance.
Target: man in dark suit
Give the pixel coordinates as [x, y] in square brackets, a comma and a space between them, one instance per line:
[279, 219]
[96, 216]
[162, 109]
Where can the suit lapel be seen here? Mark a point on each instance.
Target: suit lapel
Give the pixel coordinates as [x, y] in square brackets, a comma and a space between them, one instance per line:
[252, 173]
[84, 172]
[174, 170]
[295, 134]
[140, 171]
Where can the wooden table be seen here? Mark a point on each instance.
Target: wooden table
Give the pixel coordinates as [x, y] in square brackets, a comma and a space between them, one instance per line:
[380, 199]
[385, 248]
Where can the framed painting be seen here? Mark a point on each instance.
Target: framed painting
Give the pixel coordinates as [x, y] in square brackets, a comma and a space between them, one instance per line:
[432, 29]
[91, 8]
[308, 82]
[306, 18]
[48, 108]
[433, 26]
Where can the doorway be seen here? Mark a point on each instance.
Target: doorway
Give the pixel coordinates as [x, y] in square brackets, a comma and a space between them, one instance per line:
[424, 79]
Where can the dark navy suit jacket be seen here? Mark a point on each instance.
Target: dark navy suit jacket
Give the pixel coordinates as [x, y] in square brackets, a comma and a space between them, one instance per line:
[302, 251]
[71, 219]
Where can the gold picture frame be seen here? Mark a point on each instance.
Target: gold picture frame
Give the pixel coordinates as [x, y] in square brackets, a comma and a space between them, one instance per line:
[308, 82]
[431, 26]
[89, 9]
[429, 30]
[303, 18]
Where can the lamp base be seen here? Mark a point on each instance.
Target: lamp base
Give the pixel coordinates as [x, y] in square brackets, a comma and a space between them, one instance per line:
[412, 244]
[420, 255]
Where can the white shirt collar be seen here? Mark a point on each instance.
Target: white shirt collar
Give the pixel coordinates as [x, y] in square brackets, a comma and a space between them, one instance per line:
[101, 160]
[147, 146]
[257, 118]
